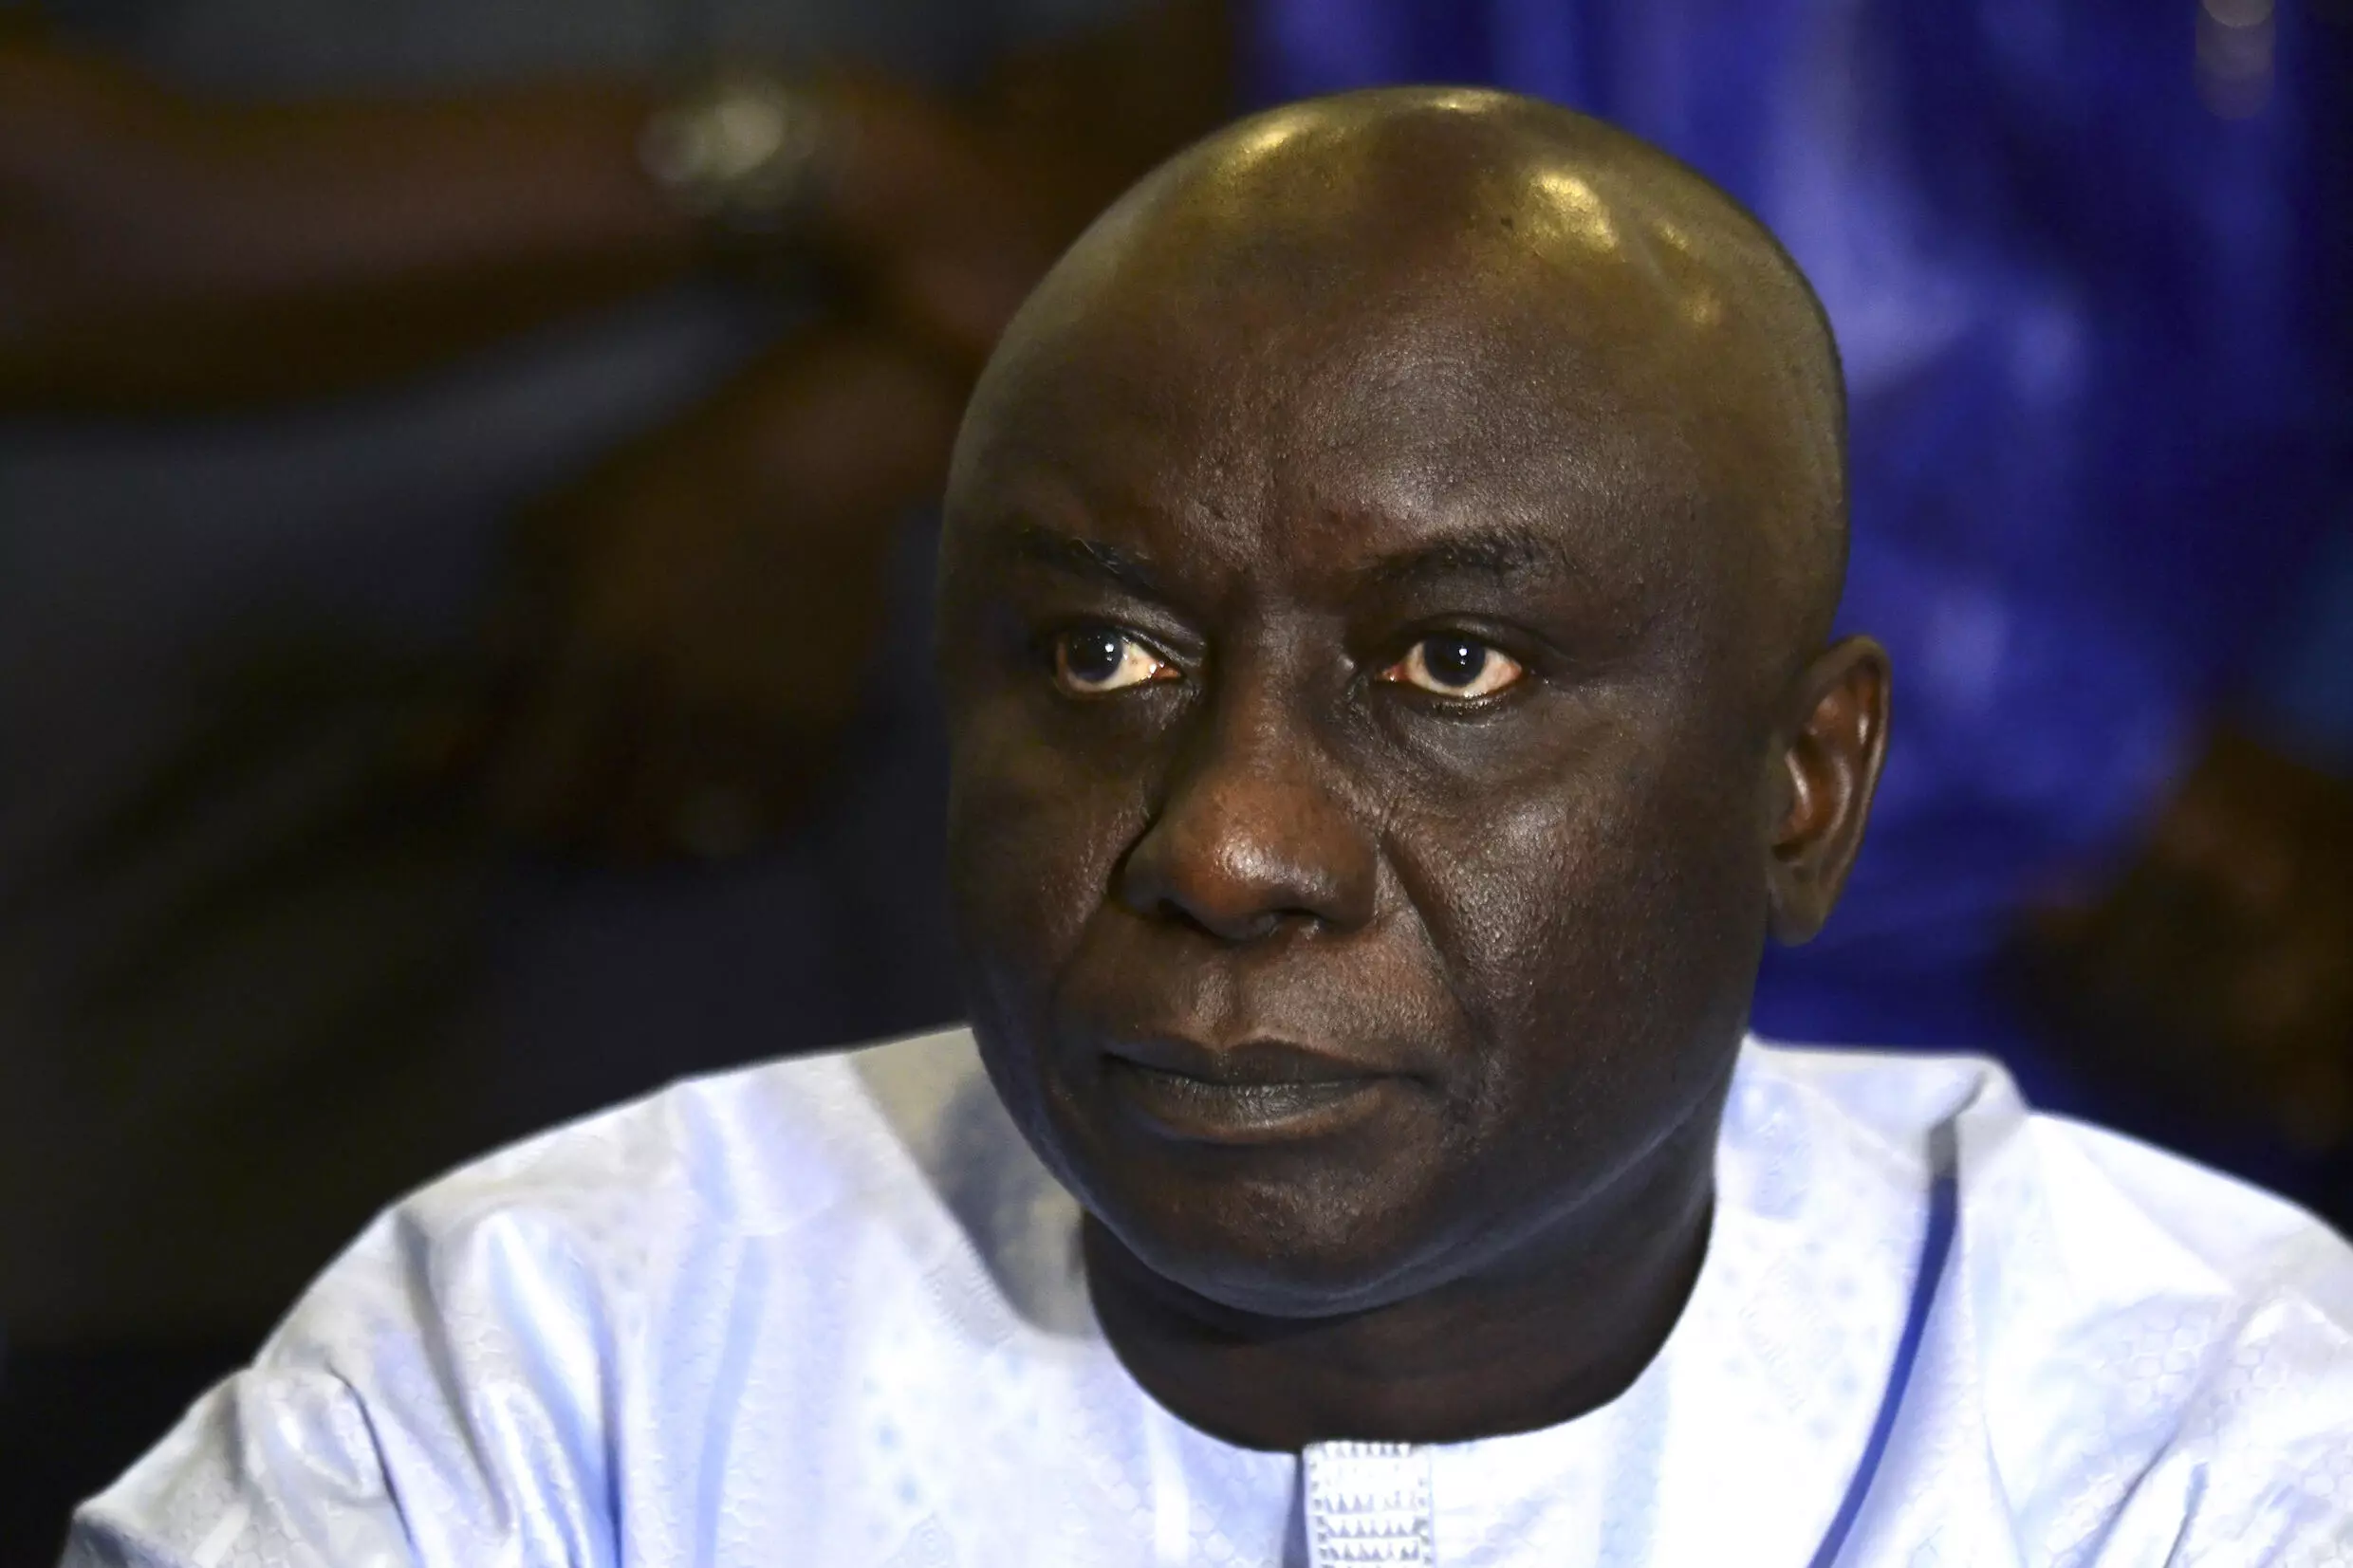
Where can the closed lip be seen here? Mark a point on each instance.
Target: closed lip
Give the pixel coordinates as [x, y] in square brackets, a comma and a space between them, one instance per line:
[1258, 1091]
[1250, 1063]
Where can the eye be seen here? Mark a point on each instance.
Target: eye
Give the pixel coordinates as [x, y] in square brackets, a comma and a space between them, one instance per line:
[1452, 666]
[1091, 661]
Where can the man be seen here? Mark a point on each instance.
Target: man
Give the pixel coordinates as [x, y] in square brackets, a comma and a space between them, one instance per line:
[1385, 607]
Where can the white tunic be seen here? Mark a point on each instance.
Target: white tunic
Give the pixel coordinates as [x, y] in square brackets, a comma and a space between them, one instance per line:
[831, 1312]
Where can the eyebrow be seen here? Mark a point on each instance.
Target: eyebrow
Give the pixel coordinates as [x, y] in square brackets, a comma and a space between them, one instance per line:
[1084, 558]
[1504, 552]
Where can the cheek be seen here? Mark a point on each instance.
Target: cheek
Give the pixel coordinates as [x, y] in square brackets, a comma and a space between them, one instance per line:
[1601, 931]
[1033, 841]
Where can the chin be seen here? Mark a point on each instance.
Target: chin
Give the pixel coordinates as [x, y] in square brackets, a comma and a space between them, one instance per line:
[1298, 1250]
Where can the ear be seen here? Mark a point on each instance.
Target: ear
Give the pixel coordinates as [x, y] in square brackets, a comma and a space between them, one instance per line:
[1828, 767]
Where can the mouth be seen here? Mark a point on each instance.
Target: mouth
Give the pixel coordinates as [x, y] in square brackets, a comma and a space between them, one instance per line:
[1257, 1091]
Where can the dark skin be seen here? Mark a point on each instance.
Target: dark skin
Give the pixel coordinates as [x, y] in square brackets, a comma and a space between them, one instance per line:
[1384, 616]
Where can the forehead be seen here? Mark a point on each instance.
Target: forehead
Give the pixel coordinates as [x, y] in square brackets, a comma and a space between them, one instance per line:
[1247, 420]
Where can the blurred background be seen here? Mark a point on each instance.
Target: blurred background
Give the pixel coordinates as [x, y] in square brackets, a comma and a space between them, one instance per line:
[464, 548]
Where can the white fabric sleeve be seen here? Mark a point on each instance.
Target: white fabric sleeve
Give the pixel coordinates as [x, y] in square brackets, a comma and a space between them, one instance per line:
[276, 1469]
[437, 1401]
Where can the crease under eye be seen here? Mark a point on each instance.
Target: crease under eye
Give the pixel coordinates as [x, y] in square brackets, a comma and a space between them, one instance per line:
[1456, 667]
[1095, 660]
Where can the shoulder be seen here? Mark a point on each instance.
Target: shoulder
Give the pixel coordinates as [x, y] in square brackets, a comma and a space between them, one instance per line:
[783, 1155]
[2123, 1219]
[755, 1150]
[2151, 1351]
[706, 1249]
[2169, 1340]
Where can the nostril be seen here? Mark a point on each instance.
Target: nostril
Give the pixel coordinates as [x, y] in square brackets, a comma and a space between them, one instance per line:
[1223, 926]
[1175, 913]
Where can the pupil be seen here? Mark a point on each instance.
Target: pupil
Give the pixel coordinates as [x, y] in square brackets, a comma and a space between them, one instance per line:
[1092, 656]
[1454, 661]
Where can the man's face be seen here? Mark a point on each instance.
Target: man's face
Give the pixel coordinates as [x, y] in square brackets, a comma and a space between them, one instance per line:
[1359, 775]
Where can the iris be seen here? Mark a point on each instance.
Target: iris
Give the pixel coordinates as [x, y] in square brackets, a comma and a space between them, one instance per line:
[1454, 661]
[1093, 656]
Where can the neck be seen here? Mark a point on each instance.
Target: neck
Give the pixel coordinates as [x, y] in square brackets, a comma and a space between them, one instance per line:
[1561, 1328]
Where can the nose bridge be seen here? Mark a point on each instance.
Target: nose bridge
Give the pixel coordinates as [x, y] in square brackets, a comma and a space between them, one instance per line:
[1256, 830]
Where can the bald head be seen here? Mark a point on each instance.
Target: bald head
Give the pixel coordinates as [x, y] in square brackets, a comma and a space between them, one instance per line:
[1612, 285]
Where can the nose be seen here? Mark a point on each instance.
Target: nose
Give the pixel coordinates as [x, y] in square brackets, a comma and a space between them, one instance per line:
[1254, 837]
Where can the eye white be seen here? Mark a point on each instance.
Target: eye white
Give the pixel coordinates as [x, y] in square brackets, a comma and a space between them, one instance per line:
[1081, 669]
[1493, 670]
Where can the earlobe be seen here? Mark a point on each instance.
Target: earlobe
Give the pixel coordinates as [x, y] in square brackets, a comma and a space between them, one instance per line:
[1828, 766]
